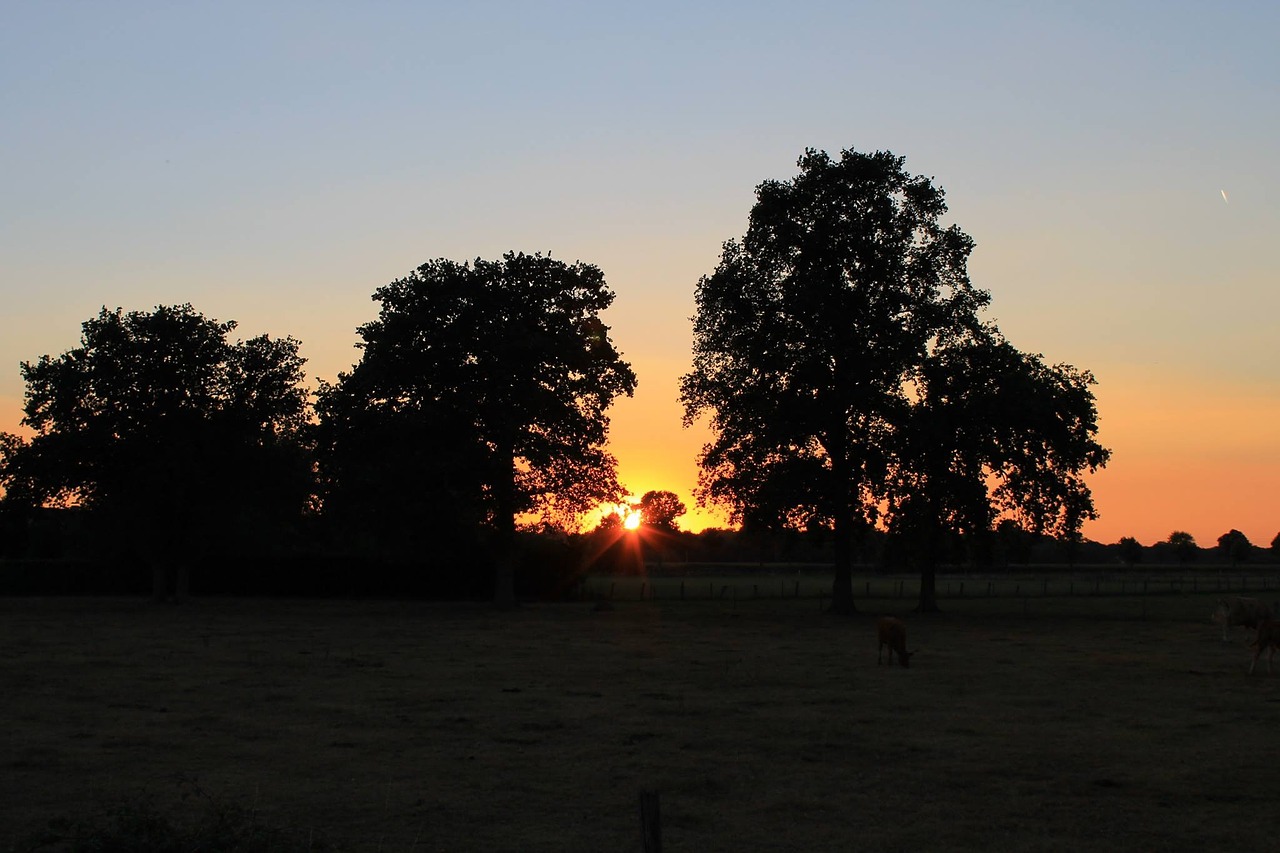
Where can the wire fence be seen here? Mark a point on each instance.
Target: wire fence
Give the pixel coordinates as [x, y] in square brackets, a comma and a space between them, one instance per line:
[946, 587]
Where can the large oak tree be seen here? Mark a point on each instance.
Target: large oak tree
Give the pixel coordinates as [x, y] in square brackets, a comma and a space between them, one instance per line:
[505, 371]
[172, 435]
[828, 346]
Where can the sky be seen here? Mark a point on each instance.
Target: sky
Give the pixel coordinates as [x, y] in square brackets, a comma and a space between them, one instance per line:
[275, 163]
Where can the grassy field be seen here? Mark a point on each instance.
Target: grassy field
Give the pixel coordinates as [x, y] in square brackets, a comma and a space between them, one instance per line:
[1112, 723]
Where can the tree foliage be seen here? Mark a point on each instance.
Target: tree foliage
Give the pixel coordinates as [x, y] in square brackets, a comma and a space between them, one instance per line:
[1235, 546]
[501, 373]
[1184, 546]
[841, 357]
[990, 431]
[1130, 550]
[660, 509]
[162, 425]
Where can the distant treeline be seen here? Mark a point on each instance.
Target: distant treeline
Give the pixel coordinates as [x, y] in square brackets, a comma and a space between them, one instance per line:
[70, 552]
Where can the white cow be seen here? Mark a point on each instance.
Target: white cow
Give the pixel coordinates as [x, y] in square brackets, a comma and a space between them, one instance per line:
[1238, 610]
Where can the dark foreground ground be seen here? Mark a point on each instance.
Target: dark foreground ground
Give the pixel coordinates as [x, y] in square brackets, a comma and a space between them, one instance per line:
[763, 725]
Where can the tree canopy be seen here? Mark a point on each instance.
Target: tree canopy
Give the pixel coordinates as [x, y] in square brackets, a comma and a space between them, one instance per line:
[1235, 545]
[851, 381]
[660, 509]
[501, 372]
[161, 424]
[1184, 546]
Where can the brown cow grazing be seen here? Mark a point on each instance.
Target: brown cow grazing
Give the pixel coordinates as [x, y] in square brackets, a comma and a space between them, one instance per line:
[1237, 610]
[1268, 637]
[893, 633]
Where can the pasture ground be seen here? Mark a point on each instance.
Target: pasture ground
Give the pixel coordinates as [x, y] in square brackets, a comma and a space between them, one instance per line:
[1074, 724]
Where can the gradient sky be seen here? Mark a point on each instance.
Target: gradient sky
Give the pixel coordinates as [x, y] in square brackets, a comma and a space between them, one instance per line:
[274, 163]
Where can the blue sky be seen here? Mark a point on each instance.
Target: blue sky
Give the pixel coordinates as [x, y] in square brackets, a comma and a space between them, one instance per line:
[275, 163]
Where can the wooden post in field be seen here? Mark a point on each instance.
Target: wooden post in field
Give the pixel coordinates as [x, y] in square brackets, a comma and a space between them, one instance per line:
[650, 825]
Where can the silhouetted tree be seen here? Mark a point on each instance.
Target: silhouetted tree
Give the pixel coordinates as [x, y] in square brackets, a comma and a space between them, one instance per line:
[1184, 546]
[837, 347]
[506, 366]
[986, 430]
[1235, 546]
[1015, 543]
[395, 481]
[176, 437]
[1275, 546]
[1130, 551]
[660, 509]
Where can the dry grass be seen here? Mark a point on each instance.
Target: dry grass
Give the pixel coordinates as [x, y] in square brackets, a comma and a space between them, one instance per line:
[765, 725]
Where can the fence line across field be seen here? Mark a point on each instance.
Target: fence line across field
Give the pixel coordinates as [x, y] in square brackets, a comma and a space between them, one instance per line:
[815, 585]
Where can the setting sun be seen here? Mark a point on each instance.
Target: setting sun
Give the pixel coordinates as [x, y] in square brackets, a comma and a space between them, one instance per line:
[632, 519]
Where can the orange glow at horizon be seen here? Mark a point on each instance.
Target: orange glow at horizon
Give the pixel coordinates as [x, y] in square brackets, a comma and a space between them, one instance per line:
[1196, 455]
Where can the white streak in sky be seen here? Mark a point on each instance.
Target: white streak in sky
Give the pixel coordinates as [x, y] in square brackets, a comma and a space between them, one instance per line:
[1224, 196]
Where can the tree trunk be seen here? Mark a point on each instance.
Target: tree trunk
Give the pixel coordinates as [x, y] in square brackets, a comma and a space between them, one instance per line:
[181, 582]
[928, 589]
[504, 588]
[170, 581]
[842, 587]
[159, 581]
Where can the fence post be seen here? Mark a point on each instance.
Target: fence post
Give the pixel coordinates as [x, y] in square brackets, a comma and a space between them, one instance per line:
[650, 824]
